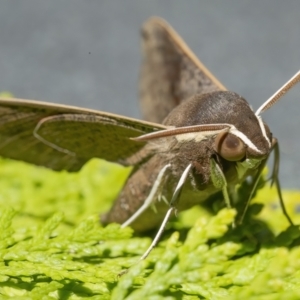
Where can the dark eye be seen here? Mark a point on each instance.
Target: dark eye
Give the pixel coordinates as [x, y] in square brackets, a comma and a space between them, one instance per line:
[230, 147]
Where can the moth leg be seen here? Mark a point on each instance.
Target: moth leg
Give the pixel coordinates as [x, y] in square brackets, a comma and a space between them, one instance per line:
[275, 178]
[252, 190]
[219, 181]
[156, 189]
[173, 202]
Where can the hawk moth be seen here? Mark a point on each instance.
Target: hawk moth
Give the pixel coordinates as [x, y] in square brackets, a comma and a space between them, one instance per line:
[195, 132]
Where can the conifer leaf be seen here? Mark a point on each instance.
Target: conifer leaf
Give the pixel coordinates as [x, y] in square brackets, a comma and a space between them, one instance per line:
[52, 245]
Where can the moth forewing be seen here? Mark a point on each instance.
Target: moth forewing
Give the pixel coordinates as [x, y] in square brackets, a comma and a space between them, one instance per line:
[66, 137]
[170, 71]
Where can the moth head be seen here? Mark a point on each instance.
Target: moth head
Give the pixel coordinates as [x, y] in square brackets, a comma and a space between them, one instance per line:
[243, 135]
[231, 147]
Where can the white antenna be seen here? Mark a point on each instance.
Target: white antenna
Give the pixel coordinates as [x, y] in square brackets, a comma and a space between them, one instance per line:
[283, 90]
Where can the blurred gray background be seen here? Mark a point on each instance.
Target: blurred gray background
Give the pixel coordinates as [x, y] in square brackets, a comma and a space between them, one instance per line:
[86, 53]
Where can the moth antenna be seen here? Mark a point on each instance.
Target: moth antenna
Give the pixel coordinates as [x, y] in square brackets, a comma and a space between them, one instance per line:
[181, 130]
[281, 92]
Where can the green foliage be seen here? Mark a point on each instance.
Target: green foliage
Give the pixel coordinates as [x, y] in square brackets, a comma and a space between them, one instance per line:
[52, 245]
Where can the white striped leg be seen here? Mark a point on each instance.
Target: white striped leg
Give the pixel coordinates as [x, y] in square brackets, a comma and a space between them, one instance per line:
[156, 189]
[173, 202]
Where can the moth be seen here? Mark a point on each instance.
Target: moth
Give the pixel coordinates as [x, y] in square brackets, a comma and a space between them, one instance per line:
[198, 138]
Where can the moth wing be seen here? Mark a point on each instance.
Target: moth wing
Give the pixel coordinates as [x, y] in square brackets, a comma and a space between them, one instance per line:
[65, 137]
[170, 71]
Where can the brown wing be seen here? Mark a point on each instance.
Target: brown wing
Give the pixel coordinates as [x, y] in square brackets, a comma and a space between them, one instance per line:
[65, 137]
[170, 71]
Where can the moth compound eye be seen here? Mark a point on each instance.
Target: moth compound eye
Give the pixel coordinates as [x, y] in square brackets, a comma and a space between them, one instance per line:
[230, 147]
